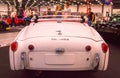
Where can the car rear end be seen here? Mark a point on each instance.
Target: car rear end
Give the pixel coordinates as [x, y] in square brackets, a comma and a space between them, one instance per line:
[58, 50]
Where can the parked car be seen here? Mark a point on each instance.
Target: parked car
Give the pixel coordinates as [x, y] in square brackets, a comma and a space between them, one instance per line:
[20, 20]
[7, 19]
[110, 28]
[61, 43]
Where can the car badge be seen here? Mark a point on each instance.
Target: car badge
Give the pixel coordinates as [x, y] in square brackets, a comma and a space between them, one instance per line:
[59, 32]
[60, 50]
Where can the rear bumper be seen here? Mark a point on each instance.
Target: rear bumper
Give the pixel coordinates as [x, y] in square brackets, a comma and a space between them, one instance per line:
[52, 61]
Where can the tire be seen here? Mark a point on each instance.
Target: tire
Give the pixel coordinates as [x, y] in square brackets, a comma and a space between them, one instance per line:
[96, 68]
[32, 73]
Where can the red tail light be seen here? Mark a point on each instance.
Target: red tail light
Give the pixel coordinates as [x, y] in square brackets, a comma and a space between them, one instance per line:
[30, 47]
[104, 47]
[88, 48]
[14, 46]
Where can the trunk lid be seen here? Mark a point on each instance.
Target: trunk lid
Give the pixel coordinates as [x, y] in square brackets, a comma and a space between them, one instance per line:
[54, 29]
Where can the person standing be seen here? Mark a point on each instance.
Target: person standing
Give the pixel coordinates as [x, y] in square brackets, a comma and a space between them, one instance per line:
[58, 11]
[91, 17]
[49, 12]
[27, 16]
[67, 10]
[35, 15]
[13, 18]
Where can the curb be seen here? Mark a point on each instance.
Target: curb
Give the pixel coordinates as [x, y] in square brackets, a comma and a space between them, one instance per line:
[3, 45]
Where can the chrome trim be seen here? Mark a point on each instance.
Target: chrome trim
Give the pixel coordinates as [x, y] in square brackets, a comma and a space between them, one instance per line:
[96, 60]
[59, 50]
[23, 60]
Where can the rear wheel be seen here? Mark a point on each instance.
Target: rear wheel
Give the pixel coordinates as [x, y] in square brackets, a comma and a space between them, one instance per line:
[96, 68]
[38, 73]
[33, 73]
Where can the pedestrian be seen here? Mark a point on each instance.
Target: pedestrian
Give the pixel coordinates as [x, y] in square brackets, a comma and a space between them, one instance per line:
[35, 15]
[27, 16]
[91, 17]
[67, 10]
[49, 12]
[13, 18]
[58, 10]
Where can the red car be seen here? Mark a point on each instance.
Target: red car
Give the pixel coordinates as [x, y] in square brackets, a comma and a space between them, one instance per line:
[7, 19]
[19, 20]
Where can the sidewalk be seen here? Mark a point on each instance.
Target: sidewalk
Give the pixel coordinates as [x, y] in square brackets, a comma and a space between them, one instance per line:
[7, 37]
[13, 29]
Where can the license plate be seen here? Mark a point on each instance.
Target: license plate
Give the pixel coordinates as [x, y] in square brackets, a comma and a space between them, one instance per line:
[59, 59]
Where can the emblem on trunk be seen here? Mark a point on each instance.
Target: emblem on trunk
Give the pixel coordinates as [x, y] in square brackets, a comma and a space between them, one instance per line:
[59, 32]
[60, 50]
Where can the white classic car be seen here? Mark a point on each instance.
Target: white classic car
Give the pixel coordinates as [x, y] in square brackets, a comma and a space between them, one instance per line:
[62, 44]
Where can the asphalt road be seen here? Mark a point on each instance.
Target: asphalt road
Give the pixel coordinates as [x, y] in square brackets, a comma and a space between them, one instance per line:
[12, 29]
[112, 72]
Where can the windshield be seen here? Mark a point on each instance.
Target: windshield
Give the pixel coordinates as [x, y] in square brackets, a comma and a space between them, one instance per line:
[59, 18]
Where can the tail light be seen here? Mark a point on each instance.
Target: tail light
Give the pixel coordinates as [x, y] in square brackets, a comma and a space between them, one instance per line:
[88, 48]
[30, 47]
[104, 47]
[14, 46]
